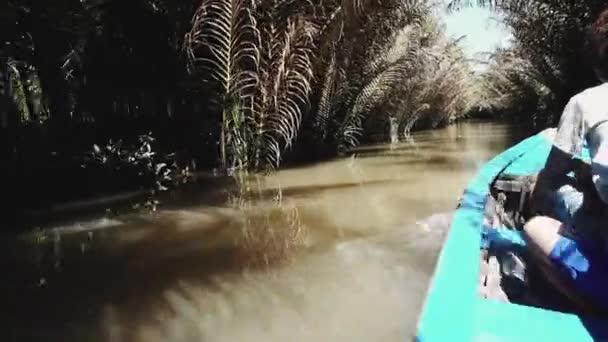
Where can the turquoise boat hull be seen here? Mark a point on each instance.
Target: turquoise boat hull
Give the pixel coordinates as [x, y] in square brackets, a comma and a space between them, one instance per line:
[453, 311]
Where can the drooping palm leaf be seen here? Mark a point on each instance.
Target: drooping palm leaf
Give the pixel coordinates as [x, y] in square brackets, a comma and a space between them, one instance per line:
[286, 73]
[326, 100]
[17, 92]
[369, 97]
[223, 42]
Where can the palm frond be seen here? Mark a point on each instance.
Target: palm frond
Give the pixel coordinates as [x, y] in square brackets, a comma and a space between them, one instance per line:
[401, 45]
[223, 42]
[327, 96]
[17, 92]
[287, 73]
[369, 97]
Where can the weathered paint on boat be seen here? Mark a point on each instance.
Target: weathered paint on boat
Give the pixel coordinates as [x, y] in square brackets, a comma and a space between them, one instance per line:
[453, 311]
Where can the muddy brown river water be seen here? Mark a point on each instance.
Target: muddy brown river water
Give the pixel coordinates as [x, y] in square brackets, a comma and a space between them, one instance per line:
[334, 251]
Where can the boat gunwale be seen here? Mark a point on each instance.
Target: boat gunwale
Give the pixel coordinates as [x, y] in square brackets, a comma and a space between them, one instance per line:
[453, 310]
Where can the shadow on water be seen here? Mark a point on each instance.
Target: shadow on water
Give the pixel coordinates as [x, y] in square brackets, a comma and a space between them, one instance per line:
[303, 191]
[336, 251]
[59, 282]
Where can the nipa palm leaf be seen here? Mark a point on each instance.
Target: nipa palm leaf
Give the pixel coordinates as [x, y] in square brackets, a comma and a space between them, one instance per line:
[287, 82]
[223, 42]
[369, 97]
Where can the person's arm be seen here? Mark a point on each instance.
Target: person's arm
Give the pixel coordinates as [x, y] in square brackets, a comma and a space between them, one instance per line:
[568, 141]
[585, 182]
[582, 171]
[561, 163]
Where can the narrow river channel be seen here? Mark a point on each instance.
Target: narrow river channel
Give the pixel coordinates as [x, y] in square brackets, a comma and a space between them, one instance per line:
[326, 252]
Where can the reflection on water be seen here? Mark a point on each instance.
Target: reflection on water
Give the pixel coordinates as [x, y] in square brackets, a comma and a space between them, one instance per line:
[327, 252]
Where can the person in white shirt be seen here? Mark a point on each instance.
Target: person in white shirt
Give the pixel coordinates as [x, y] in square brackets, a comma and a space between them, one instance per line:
[572, 236]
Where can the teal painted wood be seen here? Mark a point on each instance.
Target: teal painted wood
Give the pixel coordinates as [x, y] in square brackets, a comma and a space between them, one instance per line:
[532, 161]
[510, 322]
[454, 312]
[450, 309]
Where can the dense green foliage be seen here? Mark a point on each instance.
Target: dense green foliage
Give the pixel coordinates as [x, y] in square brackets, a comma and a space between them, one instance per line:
[281, 67]
[232, 84]
[546, 65]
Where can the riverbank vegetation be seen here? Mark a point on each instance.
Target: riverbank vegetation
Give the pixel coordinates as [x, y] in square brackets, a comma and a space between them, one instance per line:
[546, 65]
[233, 85]
[102, 96]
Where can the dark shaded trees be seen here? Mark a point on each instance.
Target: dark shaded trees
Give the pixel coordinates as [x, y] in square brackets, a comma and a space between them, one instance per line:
[232, 84]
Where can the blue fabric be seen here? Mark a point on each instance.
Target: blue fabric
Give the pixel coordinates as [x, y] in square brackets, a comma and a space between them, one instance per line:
[502, 238]
[585, 265]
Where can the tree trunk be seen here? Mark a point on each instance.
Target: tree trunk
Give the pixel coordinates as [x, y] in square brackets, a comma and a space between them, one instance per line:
[394, 130]
[223, 163]
[3, 97]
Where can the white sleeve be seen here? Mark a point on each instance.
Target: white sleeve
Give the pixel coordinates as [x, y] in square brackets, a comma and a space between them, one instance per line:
[570, 135]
